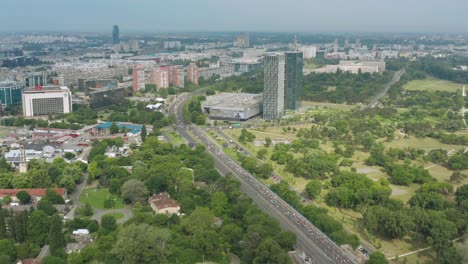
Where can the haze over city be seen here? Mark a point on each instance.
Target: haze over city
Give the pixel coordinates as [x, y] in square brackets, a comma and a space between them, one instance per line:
[240, 15]
[243, 131]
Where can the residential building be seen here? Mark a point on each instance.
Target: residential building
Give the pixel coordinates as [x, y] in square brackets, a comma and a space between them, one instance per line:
[115, 35]
[138, 78]
[10, 93]
[35, 79]
[161, 76]
[273, 89]
[293, 80]
[47, 100]
[177, 76]
[192, 73]
[161, 203]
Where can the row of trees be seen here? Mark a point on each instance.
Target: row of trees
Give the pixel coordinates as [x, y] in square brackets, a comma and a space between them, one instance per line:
[45, 175]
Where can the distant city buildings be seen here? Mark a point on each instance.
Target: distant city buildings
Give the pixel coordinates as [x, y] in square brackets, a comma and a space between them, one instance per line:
[46, 100]
[35, 78]
[115, 34]
[10, 93]
[273, 89]
[139, 78]
[172, 44]
[242, 41]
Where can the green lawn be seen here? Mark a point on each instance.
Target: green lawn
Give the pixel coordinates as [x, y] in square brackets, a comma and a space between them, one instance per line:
[325, 105]
[175, 138]
[96, 198]
[117, 216]
[432, 84]
[4, 132]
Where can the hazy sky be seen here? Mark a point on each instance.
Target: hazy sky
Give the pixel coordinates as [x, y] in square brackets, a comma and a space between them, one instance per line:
[235, 15]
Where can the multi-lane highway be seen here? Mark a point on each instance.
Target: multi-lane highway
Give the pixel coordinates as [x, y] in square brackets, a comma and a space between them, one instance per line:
[310, 239]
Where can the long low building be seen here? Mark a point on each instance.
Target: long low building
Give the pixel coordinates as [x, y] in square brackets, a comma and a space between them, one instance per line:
[354, 67]
[233, 106]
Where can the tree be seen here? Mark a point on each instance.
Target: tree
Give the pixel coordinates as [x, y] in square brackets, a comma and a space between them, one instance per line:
[142, 244]
[24, 197]
[114, 128]
[38, 227]
[87, 210]
[69, 155]
[7, 248]
[56, 239]
[268, 142]
[313, 188]
[108, 223]
[143, 133]
[46, 206]
[377, 258]
[462, 193]
[219, 202]
[68, 182]
[7, 199]
[450, 256]
[134, 191]
[270, 252]
[52, 260]
[261, 153]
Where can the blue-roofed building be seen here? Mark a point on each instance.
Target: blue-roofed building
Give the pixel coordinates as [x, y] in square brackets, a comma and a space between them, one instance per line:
[103, 129]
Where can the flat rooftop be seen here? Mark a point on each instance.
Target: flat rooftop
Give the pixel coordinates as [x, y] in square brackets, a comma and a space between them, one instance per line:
[45, 89]
[232, 100]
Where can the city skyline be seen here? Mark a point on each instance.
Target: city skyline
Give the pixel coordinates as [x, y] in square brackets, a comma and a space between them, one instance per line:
[241, 15]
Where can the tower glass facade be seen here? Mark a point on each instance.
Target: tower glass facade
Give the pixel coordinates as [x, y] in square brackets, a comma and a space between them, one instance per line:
[273, 90]
[10, 93]
[293, 80]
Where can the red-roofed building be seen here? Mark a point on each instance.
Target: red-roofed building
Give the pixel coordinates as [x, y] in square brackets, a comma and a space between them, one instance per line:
[161, 203]
[36, 194]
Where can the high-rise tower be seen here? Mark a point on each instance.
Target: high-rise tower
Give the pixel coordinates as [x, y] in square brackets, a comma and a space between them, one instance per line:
[273, 90]
[115, 35]
[293, 80]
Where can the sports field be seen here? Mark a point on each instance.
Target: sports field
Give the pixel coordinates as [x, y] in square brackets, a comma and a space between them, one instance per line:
[432, 84]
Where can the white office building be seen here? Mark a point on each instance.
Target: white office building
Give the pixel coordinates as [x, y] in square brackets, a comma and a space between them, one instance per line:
[47, 100]
[309, 51]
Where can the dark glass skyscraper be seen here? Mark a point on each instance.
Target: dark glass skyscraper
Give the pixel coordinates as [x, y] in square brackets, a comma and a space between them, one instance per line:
[115, 35]
[293, 80]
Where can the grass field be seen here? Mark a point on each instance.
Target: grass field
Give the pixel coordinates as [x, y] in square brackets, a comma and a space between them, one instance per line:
[175, 138]
[4, 131]
[96, 198]
[432, 84]
[117, 216]
[426, 144]
[322, 105]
